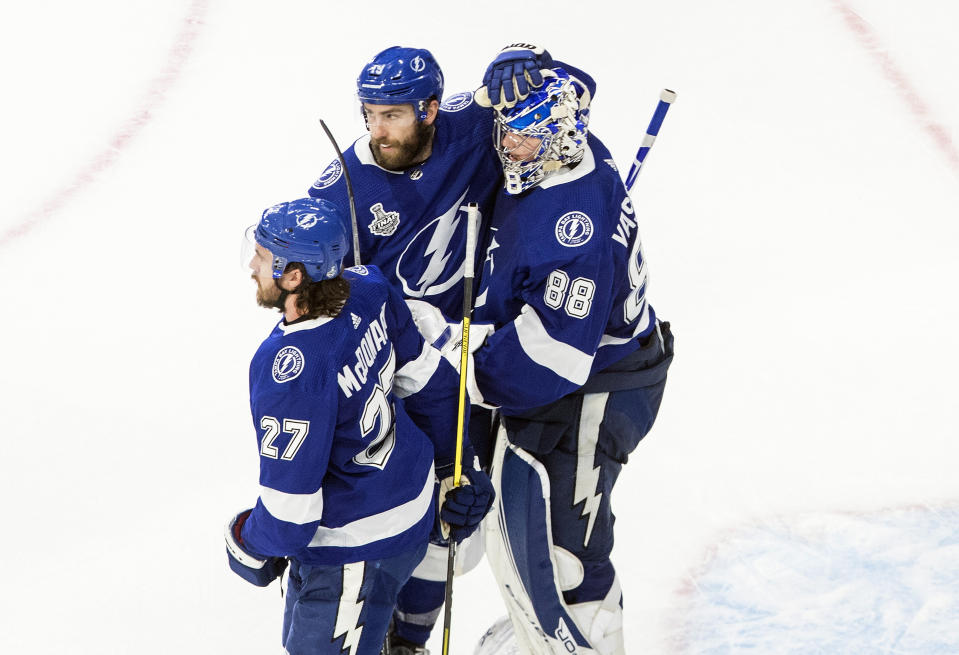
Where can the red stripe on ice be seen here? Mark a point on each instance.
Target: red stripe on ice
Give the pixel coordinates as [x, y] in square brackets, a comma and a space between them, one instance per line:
[872, 43]
[126, 133]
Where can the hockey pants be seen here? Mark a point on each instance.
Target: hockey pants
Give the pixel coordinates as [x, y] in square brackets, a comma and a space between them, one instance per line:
[332, 608]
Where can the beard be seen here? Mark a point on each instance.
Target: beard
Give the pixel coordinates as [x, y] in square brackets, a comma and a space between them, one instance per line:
[268, 297]
[403, 154]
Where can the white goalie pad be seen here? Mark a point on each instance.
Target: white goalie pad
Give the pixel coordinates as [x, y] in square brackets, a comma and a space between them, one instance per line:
[498, 640]
[532, 573]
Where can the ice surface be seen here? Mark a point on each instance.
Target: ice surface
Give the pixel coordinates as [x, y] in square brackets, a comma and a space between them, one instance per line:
[879, 582]
[798, 213]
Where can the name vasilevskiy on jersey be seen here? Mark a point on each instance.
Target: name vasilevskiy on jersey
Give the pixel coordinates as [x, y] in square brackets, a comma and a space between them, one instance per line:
[625, 223]
[353, 376]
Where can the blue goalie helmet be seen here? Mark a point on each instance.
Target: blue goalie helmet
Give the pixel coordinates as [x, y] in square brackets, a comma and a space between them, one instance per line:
[399, 76]
[544, 132]
[310, 231]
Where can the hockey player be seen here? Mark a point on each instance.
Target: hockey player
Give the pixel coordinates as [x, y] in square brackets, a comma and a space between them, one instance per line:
[576, 364]
[423, 159]
[350, 408]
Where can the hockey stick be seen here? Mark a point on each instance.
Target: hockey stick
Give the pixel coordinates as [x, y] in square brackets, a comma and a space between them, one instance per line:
[666, 98]
[349, 190]
[472, 223]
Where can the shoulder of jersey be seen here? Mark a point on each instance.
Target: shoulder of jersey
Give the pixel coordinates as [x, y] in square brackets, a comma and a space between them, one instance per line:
[366, 280]
[457, 102]
[572, 219]
[465, 120]
[369, 272]
[329, 177]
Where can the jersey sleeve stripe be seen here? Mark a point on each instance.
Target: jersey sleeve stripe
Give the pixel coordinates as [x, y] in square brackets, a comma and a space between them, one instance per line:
[642, 324]
[376, 527]
[415, 374]
[293, 508]
[562, 358]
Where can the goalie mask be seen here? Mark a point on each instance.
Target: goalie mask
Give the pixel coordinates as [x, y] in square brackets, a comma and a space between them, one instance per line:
[310, 231]
[544, 132]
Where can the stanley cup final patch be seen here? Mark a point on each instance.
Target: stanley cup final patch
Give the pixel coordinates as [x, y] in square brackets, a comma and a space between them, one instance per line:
[288, 364]
[384, 223]
[574, 229]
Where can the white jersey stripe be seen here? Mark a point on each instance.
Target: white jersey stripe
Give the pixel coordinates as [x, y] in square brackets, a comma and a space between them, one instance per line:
[303, 325]
[563, 359]
[390, 523]
[414, 375]
[293, 508]
[641, 324]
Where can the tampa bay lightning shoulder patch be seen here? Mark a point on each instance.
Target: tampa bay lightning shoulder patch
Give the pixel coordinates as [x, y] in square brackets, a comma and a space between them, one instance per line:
[573, 229]
[330, 175]
[458, 101]
[287, 364]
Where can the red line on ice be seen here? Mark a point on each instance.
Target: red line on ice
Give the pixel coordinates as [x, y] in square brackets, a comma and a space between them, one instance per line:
[870, 41]
[128, 130]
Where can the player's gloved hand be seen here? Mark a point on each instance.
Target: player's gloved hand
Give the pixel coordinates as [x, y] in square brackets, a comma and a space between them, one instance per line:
[462, 508]
[253, 568]
[447, 338]
[510, 75]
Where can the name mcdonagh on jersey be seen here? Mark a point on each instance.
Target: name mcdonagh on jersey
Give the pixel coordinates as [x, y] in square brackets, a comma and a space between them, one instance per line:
[353, 377]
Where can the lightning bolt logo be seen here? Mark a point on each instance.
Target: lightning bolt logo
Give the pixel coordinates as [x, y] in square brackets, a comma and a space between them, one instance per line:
[351, 605]
[437, 253]
[587, 475]
[438, 249]
[487, 270]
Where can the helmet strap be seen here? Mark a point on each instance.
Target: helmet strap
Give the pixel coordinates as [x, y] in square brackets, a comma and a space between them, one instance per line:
[280, 302]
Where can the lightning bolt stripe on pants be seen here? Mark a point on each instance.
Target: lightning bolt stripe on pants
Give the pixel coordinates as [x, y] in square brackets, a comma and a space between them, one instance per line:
[348, 613]
[587, 473]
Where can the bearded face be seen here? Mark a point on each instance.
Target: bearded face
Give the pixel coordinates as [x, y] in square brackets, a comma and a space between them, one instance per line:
[397, 139]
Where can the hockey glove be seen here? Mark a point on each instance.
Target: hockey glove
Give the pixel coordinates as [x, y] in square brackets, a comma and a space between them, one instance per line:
[464, 507]
[508, 78]
[253, 568]
[447, 338]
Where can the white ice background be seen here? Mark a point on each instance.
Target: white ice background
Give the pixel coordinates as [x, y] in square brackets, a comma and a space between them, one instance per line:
[799, 212]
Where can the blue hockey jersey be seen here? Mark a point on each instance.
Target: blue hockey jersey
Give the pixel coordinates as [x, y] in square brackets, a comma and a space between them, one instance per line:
[342, 409]
[564, 283]
[412, 223]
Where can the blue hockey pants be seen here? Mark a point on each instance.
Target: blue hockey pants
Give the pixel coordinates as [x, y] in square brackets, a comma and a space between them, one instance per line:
[332, 608]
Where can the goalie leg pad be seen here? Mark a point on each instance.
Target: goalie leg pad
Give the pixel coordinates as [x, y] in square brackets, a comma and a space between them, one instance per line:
[519, 547]
[551, 561]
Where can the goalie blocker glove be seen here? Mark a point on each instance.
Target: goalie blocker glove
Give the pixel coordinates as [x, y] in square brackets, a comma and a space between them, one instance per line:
[508, 78]
[253, 568]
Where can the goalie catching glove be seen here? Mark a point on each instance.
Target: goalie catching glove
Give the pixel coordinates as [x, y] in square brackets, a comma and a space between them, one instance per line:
[253, 568]
[511, 74]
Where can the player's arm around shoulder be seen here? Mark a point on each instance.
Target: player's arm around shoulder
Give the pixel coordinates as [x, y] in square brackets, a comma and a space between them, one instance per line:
[464, 122]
